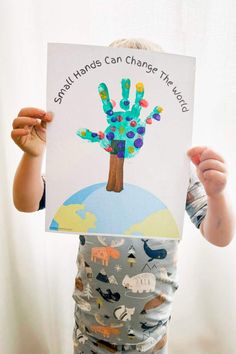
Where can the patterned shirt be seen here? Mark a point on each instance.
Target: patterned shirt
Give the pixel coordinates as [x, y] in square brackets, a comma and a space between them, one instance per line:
[124, 287]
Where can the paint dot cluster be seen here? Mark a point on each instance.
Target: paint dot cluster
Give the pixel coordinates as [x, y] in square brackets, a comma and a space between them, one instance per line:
[124, 135]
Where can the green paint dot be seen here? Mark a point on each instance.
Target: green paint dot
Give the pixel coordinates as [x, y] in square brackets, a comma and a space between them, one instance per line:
[121, 130]
[131, 149]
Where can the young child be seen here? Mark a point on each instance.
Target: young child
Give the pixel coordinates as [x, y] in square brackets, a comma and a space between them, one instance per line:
[123, 304]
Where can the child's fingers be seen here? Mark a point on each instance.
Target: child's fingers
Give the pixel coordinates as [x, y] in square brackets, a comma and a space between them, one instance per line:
[31, 112]
[23, 121]
[212, 164]
[16, 133]
[48, 116]
[194, 154]
[35, 113]
[201, 153]
[196, 150]
[211, 154]
[218, 177]
[20, 122]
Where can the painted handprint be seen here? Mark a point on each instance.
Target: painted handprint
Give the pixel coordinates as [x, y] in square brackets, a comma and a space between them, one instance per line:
[123, 138]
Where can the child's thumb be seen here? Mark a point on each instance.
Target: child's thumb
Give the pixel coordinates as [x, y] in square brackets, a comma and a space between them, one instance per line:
[194, 156]
[49, 116]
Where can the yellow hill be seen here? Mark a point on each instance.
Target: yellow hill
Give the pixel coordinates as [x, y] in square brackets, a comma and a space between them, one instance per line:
[160, 223]
[67, 218]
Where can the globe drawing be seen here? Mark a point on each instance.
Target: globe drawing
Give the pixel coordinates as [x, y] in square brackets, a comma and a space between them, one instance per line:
[134, 211]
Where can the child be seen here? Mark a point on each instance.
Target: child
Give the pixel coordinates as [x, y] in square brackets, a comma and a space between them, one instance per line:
[123, 304]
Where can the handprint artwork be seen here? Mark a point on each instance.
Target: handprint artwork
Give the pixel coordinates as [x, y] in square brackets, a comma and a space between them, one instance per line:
[124, 136]
[116, 162]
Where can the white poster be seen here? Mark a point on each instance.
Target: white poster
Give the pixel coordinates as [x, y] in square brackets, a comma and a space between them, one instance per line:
[116, 149]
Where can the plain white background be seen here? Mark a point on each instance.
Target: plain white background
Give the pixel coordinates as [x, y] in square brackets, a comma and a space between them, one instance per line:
[37, 269]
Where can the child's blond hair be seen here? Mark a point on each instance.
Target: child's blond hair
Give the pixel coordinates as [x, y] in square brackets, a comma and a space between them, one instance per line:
[136, 43]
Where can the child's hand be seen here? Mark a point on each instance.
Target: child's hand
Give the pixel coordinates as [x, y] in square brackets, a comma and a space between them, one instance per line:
[29, 130]
[211, 169]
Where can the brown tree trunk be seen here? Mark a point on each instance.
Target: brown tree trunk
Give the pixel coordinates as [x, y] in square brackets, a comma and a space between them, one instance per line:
[115, 178]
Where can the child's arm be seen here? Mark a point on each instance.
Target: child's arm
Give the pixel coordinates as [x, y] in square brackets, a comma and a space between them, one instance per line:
[29, 133]
[218, 224]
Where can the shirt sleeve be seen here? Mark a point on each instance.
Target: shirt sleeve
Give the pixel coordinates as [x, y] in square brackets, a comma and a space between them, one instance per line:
[196, 201]
[43, 199]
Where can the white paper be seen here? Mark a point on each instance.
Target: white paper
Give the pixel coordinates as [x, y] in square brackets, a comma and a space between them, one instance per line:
[155, 180]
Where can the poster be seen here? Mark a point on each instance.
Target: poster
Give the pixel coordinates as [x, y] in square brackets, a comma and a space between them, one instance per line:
[116, 150]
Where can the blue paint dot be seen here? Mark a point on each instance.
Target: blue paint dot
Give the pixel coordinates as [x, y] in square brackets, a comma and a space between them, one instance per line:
[138, 143]
[141, 130]
[156, 116]
[113, 119]
[130, 135]
[109, 112]
[110, 136]
[128, 118]
[126, 102]
[120, 154]
[121, 145]
[94, 135]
